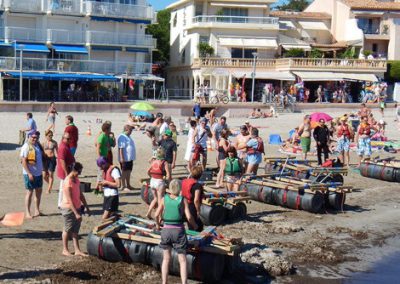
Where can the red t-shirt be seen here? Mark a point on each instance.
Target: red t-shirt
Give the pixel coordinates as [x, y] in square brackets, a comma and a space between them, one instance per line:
[73, 135]
[64, 153]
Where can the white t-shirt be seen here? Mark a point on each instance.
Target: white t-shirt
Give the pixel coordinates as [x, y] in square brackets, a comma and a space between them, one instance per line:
[127, 145]
[35, 169]
[112, 191]
[163, 127]
[200, 137]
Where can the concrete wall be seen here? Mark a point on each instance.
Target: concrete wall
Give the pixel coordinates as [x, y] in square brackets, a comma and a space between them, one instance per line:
[394, 43]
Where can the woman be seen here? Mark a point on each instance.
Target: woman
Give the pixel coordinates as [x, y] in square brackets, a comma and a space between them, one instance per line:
[51, 116]
[344, 135]
[150, 132]
[232, 169]
[71, 210]
[50, 148]
[223, 145]
[189, 145]
[363, 140]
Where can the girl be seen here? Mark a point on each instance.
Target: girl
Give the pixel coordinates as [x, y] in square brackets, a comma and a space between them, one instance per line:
[232, 169]
[223, 145]
[50, 149]
[51, 116]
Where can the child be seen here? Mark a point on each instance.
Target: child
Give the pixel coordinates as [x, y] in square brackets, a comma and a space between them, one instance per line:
[172, 127]
[172, 209]
[232, 169]
[159, 169]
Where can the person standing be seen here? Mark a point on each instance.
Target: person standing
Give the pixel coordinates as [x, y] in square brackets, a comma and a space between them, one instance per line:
[199, 141]
[32, 166]
[222, 148]
[322, 137]
[189, 145]
[73, 199]
[255, 149]
[217, 129]
[51, 116]
[363, 139]
[240, 143]
[319, 94]
[73, 132]
[165, 125]
[50, 148]
[305, 136]
[150, 132]
[197, 111]
[30, 129]
[344, 134]
[126, 156]
[172, 209]
[65, 161]
[169, 147]
[232, 169]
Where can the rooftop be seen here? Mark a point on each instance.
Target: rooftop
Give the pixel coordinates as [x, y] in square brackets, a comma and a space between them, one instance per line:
[373, 5]
[300, 15]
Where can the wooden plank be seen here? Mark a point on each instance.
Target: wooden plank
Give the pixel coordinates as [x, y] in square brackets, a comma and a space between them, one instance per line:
[102, 226]
[142, 239]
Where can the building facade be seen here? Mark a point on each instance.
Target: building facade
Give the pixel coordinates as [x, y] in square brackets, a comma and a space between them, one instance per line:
[75, 36]
[247, 35]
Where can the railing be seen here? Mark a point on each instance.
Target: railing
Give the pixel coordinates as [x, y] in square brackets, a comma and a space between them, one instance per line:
[119, 38]
[236, 20]
[118, 10]
[65, 6]
[233, 62]
[31, 6]
[65, 36]
[64, 65]
[24, 34]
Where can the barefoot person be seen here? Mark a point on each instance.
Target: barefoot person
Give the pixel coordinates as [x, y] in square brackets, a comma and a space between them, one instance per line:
[51, 116]
[172, 209]
[223, 144]
[72, 201]
[126, 156]
[32, 166]
[255, 150]
[65, 161]
[305, 136]
[232, 169]
[240, 144]
[344, 135]
[73, 132]
[363, 139]
[50, 148]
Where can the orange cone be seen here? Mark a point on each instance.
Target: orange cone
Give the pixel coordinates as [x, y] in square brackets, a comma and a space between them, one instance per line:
[89, 131]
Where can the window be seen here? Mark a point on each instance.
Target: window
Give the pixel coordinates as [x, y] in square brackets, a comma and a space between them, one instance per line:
[129, 2]
[374, 47]
[204, 39]
[248, 53]
[237, 53]
[183, 56]
[237, 14]
[198, 9]
[242, 52]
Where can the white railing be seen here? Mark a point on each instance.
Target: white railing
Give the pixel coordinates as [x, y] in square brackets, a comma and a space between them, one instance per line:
[33, 6]
[118, 10]
[64, 65]
[24, 34]
[236, 20]
[65, 6]
[65, 36]
[95, 37]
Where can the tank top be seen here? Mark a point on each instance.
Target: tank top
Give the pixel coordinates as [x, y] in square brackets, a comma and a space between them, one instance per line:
[49, 145]
[173, 210]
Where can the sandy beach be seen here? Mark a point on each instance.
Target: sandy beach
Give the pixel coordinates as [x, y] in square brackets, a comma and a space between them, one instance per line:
[319, 248]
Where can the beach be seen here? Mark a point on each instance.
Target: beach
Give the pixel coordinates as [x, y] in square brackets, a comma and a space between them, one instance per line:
[318, 247]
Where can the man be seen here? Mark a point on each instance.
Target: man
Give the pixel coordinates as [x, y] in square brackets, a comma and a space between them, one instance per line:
[255, 150]
[65, 161]
[364, 111]
[322, 137]
[126, 156]
[319, 94]
[169, 147]
[199, 141]
[239, 143]
[217, 129]
[363, 139]
[73, 132]
[165, 125]
[30, 129]
[197, 110]
[344, 135]
[305, 136]
[31, 158]
[109, 185]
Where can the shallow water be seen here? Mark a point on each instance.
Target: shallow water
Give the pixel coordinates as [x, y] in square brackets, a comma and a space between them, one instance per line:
[385, 271]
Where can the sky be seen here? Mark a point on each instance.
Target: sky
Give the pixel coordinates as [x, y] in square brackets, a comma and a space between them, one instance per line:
[161, 4]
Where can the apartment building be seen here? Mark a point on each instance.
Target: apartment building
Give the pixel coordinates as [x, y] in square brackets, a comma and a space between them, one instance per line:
[91, 39]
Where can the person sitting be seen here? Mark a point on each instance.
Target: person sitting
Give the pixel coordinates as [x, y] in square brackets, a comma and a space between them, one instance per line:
[232, 169]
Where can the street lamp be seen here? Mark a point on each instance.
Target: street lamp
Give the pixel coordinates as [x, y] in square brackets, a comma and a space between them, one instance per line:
[21, 50]
[253, 75]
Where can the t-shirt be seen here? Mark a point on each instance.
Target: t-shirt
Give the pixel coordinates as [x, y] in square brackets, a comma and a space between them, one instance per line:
[200, 137]
[112, 191]
[31, 124]
[169, 147]
[64, 153]
[163, 127]
[197, 110]
[73, 135]
[75, 193]
[105, 144]
[35, 169]
[127, 145]
[217, 128]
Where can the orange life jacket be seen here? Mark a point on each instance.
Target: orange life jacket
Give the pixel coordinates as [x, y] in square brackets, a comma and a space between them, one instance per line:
[345, 131]
[259, 149]
[187, 189]
[364, 130]
[157, 169]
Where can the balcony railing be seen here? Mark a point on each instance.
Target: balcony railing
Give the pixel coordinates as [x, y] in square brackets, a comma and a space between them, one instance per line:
[325, 64]
[94, 37]
[27, 6]
[65, 36]
[24, 34]
[118, 10]
[64, 65]
[375, 29]
[68, 7]
[236, 20]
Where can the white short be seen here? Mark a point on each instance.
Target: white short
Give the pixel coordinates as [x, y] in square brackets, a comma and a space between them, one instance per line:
[156, 183]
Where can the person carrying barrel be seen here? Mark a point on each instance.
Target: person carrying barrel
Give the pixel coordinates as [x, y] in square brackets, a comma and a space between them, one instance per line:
[172, 209]
[232, 169]
[159, 169]
[109, 184]
[192, 191]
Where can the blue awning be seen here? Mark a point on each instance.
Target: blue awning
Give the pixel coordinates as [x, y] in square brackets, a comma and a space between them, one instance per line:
[76, 49]
[133, 21]
[108, 47]
[60, 76]
[32, 47]
[139, 50]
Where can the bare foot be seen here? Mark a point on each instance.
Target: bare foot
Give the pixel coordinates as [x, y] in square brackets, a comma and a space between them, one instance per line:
[66, 253]
[126, 189]
[79, 253]
[148, 215]
[28, 216]
[37, 214]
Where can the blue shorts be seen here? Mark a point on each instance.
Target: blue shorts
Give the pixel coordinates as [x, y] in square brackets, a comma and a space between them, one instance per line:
[35, 184]
[364, 147]
[343, 145]
[253, 159]
[73, 151]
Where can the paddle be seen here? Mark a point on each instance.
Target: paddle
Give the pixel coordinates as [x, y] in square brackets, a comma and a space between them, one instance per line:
[13, 219]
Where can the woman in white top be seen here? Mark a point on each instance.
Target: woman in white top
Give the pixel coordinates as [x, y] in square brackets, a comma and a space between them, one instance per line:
[189, 145]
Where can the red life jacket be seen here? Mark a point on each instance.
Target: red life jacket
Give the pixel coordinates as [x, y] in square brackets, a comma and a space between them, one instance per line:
[186, 191]
[345, 131]
[259, 149]
[107, 175]
[365, 130]
[157, 169]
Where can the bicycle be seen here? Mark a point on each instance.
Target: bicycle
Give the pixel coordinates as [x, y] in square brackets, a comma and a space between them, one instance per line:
[217, 97]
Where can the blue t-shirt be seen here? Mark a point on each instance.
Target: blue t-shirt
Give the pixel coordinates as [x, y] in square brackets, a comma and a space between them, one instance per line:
[31, 124]
[256, 157]
[36, 168]
[197, 110]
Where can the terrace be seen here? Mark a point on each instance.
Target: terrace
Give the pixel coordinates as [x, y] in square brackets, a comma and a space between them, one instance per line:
[242, 22]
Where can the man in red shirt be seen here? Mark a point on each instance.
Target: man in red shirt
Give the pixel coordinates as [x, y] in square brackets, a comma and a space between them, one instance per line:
[72, 130]
[65, 161]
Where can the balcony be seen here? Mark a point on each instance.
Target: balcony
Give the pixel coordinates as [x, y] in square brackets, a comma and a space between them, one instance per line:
[296, 64]
[23, 6]
[235, 22]
[116, 10]
[24, 34]
[65, 7]
[65, 36]
[64, 65]
[107, 38]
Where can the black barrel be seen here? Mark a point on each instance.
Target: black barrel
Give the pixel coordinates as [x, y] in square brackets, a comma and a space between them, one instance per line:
[364, 169]
[397, 174]
[388, 174]
[237, 211]
[213, 215]
[92, 244]
[138, 252]
[110, 249]
[335, 200]
[258, 192]
[312, 202]
[146, 193]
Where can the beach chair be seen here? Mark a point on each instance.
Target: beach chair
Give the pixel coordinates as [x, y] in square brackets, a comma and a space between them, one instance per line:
[275, 139]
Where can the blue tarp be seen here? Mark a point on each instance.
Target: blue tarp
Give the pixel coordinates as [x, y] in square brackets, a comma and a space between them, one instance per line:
[77, 49]
[62, 76]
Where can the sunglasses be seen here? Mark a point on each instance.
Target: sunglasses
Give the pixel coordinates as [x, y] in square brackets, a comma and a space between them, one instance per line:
[34, 137]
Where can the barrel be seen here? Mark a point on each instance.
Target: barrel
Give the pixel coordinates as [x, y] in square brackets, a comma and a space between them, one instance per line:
[213, 215]
[396, 175]
[110, 249]
[388, 174]
[237, 211]
[312, 202]
[259, 192]
[335, 200]
[381, 172]
[146, 193]
[364, 169]
[92, 244]
[288, 198]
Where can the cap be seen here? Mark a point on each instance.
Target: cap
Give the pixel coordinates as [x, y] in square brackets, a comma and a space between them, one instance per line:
[168, 132]
[101, 161]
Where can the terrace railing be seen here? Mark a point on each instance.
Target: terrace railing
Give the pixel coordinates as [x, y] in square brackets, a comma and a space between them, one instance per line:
[95, 37]
[117, 10]
[236, 20]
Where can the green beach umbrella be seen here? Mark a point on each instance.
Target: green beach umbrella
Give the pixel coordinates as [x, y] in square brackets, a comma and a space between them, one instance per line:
[143, 106]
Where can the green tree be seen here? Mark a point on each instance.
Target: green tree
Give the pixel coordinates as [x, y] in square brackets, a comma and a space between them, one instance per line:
[393, 73]
[205, 49]
[160, 31]
[294, 5]
[315, 53]
[294, 52]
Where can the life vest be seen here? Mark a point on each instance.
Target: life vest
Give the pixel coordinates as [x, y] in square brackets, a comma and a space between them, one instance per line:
[364, 130]
[232, 167]
[345, 131]
[186, 192]
[157, 169]
[259, 149]
[173, 210]
[107, 175]
[31, 155]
